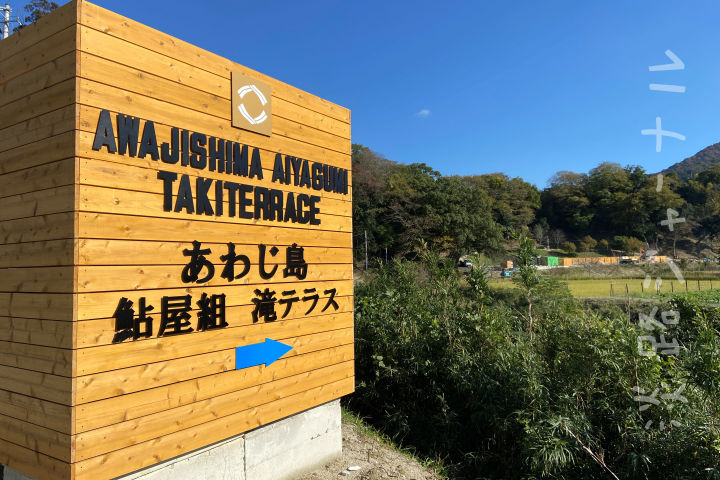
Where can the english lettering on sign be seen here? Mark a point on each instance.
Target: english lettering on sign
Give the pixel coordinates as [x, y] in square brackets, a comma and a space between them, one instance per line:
[197, 151]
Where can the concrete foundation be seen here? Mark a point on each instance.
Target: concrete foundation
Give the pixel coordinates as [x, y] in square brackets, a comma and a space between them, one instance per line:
[10, 474]
[294, 445]
[279, 451]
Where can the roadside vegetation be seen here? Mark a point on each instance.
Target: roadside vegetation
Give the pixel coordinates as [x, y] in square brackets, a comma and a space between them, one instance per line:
[458, 372]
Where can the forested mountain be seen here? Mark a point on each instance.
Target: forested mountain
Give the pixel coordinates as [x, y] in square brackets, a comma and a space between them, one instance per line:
[608, 201]
[403, 208]
[691, 166]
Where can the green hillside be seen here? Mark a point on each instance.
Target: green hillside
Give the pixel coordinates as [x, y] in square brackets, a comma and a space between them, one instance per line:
[691, 166]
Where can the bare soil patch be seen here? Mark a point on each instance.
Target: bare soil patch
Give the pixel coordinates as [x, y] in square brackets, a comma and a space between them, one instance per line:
[376, 460]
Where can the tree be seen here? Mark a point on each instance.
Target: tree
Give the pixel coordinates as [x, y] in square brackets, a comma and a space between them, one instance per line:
[539, 233]
[565, 204]
[527, 276]
[369, 192]
[406, 210]
[702, 210]
[514, 201]
[37, 9]
[587, 244]
[459, 210]
[568, 247]
[610, 200]
[398, 204]
[604, 247]
[629, 245]
[614, 199]
[557, 236]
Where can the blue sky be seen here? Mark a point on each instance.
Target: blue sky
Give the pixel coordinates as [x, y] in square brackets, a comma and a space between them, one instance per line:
[527, 88]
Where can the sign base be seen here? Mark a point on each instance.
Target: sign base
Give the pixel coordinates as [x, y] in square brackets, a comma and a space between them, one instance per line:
[281, 450]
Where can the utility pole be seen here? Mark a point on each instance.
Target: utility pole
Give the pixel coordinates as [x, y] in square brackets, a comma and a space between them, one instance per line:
[366, 259]
[6, 20]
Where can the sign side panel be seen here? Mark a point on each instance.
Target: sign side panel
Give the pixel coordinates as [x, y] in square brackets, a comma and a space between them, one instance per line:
[37, 121]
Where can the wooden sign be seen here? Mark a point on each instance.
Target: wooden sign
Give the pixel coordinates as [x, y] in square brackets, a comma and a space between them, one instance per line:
[175, 247]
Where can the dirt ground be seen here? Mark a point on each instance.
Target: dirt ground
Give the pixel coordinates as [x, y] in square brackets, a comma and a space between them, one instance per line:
[376, 461]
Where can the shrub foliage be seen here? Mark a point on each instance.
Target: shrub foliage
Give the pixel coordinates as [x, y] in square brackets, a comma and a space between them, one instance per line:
[449, 368]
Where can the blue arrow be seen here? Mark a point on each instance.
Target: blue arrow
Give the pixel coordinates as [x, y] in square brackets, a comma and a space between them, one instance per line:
[258, 353]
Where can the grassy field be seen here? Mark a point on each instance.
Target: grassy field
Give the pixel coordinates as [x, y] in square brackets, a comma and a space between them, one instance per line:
[619, 287]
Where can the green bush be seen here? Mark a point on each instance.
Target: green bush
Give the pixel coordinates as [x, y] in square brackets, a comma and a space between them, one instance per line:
[587, 244]
[630, 245]
[569, 247]
[604, 247]
[448, 368]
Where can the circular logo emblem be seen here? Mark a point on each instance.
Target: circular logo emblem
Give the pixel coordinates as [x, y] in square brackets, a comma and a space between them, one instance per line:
[242, 91]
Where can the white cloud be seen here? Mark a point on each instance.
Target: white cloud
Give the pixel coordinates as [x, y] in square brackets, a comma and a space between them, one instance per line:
[424, 113]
